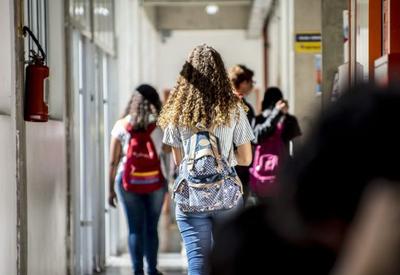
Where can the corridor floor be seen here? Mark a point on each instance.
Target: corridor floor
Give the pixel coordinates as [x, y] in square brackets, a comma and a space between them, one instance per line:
[168, 263]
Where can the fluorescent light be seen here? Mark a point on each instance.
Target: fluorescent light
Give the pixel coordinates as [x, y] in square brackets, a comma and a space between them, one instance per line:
[212, 9]
[79, 10]
[101, 11]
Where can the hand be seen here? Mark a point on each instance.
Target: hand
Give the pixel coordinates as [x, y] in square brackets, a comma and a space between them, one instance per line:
[112, 199]
[282, 106]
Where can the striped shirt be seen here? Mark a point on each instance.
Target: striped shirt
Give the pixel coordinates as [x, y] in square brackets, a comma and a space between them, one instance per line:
[237, 133]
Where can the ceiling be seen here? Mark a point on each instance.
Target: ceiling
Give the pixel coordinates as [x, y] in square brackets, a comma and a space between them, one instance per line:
[191, 14]
[195, 2]
[248, 15]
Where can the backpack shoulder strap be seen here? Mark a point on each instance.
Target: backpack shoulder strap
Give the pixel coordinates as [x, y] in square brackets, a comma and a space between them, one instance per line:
[214, 148]
[192, 151]
[130, 128]
[151, 127]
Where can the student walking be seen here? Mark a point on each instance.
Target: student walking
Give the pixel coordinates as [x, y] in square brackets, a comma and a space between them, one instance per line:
[274, 129]
[242, 81]
[203, 120]
[136, 177]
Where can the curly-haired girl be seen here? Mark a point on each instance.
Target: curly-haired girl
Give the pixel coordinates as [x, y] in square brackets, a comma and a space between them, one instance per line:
[203, 98]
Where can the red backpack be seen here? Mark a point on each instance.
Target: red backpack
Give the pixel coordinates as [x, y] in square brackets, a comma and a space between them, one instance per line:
[142, 171]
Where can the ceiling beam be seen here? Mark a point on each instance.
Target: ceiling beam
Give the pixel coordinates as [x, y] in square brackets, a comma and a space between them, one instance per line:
[258, 15]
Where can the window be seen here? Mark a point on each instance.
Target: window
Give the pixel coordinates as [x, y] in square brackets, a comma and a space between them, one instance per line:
[103, 11]
[80, 14]
[37, 21]
[95, 19]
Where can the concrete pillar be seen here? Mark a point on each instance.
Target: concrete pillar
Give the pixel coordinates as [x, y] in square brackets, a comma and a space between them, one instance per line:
[332, 43]
[307, 102]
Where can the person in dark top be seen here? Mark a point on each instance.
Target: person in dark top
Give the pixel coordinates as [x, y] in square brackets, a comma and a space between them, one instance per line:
[336, 211]
[255, 243]
[275, 110]
[274, 129]
[242, 81]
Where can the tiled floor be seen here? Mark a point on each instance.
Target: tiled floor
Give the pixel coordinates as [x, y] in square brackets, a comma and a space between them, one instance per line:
[127, 271]
[168, 263]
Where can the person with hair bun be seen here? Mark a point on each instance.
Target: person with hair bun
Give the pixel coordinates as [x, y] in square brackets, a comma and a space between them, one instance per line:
[141, 203]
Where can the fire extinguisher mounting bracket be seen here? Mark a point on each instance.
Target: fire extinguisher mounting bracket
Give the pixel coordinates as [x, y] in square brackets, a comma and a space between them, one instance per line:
[36, 58]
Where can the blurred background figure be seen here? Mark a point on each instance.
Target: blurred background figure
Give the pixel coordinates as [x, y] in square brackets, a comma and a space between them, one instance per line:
[274, 129]
[337, 201]
[136, 177]
[243, 83]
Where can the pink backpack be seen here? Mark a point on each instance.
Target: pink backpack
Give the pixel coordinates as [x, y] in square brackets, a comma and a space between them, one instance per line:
[267, 158]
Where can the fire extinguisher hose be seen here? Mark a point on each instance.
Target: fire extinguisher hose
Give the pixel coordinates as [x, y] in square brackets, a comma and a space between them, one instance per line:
[25, 30]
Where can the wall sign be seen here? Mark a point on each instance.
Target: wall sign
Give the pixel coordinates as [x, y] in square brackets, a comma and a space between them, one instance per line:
[308, 43]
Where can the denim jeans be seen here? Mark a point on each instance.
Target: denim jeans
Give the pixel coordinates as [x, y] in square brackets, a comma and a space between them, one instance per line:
[196, 230]
[142, 212]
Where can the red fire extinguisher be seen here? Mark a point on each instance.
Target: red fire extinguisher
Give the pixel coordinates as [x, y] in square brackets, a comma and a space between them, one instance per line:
[36, 72]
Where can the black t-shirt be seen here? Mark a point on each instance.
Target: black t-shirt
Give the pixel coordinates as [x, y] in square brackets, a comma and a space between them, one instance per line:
[250, 114]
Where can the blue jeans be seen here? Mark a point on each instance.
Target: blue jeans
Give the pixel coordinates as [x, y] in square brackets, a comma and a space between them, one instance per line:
[142, 212]
[197, 230]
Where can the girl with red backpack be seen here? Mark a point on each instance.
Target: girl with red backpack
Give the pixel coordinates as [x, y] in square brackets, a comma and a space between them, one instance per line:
[136, 177]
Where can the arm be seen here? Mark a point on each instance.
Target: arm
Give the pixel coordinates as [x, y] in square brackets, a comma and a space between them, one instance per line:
[177, 153]
[172, 139]
[244, 154]
[166, 148]
[115, 157]
[268, 126]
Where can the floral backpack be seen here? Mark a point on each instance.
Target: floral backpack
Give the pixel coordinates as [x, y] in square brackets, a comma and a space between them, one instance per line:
[205, 181]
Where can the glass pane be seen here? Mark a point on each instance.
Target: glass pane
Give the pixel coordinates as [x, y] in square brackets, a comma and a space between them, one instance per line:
[104, 24]
[37, 23]
[79, 11]
[362, 40]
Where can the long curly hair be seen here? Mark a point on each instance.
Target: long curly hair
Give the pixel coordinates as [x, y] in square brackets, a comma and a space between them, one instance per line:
[203, 93]
[140, 109]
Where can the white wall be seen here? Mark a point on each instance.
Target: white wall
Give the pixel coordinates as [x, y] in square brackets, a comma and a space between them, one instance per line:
[8, 211]
[8, 199]
[6, 55]
[137, 45]
[274, 52]
[46, 165]
[47, 200]
[126, 12]
[231, 44]
[280, 51]
[149, 43]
